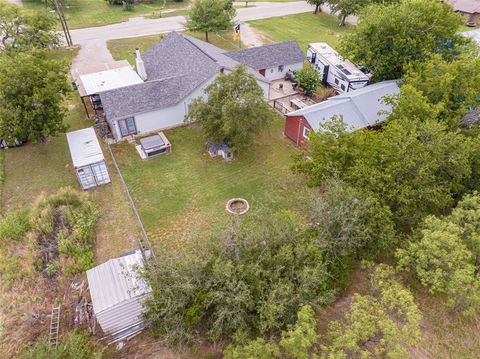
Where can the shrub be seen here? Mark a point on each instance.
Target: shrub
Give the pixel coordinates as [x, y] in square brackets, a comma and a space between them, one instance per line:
[308, 78]
[14, 225]
[76, 345]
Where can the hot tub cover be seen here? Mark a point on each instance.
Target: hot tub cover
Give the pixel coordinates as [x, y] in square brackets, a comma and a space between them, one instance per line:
[151, 142]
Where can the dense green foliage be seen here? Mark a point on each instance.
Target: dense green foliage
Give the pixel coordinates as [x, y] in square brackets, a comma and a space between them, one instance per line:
[445, 255]
[388, 37]
[76, 345]
[318, 4]
[436, 163]
[250, 281]
[452, 86]
[31, 96]
[388, 320]
[298, 342]
[384, 323]
[345, 8]
[234, 110]
[210, 16]
[308, 78]
[21, 30]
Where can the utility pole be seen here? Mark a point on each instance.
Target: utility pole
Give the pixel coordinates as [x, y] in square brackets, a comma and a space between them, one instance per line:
[59, 10]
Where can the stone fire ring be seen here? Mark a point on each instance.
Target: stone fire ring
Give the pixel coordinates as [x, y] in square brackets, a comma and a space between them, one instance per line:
[237, 206]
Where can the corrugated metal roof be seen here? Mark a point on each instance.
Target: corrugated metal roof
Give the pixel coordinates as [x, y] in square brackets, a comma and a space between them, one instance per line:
[84, 147]
[359, 108]
[116, 281]
[108, 80]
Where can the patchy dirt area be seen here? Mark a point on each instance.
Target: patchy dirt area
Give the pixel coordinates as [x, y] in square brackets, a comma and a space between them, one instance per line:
[251, 37]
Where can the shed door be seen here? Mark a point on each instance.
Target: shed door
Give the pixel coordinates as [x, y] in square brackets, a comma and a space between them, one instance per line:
[101, 173]
[86, 177]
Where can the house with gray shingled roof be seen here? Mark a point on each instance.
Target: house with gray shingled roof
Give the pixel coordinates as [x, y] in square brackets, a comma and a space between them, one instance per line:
[176, 70]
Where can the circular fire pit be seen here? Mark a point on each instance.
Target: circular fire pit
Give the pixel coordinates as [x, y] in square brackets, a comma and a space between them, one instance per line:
[237, 206]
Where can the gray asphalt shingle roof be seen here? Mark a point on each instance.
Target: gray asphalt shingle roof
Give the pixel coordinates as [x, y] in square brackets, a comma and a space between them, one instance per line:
[264, 57]
[179, 64]
[148, 96]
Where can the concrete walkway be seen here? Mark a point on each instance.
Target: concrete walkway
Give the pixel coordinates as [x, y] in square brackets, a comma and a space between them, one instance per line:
[93, 41]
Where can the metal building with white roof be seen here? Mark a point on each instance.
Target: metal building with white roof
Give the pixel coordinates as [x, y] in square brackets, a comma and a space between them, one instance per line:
[87, 158]
[118, 293]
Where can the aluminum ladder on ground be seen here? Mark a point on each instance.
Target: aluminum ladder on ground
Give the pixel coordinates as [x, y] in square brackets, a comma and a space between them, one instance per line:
[54, 325]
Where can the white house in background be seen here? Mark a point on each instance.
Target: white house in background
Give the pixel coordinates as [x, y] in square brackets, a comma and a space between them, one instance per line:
[118, 294]
[87, 158]
[177, 70]
[335, 71]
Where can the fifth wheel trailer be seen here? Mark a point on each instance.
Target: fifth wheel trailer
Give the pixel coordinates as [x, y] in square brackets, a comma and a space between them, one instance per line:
[335, 71]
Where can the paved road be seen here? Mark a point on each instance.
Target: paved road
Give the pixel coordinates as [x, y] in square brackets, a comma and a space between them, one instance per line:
[93, 41]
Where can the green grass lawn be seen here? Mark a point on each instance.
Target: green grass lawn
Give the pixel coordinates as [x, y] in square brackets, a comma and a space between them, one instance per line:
[187, 189]
[304, 28]
[88, 13]
[44, 167]
[123, 49]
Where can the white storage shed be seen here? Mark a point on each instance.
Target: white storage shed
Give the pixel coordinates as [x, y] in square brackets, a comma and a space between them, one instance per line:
[87, 158]
[118, 293]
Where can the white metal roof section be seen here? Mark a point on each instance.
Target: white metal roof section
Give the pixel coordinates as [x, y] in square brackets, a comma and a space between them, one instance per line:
[116, 281]
[109, 80]
[359, 108]
[348, 69]
[84, 147]
[474, 34]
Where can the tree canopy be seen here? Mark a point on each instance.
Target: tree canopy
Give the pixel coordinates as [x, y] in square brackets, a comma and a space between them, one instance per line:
[234, 110]
[308, 78]
[415, 167]
[210, 16]
[388, 320]
[21, 30]
[251, 282]
[32, 89]
[444, 255]
[388, 37]
[452, 86]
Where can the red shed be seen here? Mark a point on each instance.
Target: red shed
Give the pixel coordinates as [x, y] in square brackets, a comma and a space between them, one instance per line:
[297, 129]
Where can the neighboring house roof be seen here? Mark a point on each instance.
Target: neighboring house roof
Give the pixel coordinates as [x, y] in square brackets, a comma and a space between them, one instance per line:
[264, 57]
[116, 281]
[467, 6]
[84, 147]
[359, 108]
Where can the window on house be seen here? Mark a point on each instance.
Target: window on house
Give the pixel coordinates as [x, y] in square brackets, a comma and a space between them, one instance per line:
[271, 70]
[127, 127]
[336, 81]
[342, 87]
[306, 133]
[280, 68]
